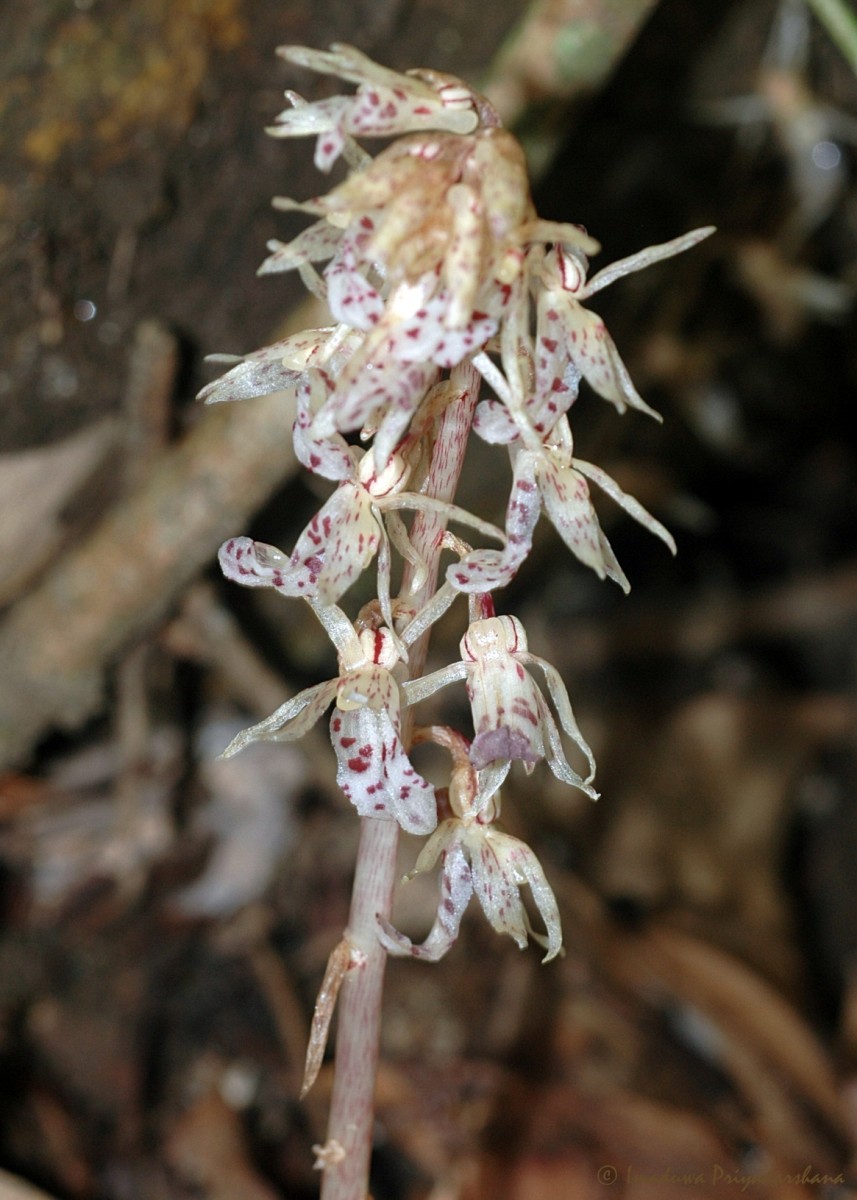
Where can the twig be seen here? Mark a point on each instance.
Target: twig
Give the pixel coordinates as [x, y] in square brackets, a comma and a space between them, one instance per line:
[117, 585]
[840, 21]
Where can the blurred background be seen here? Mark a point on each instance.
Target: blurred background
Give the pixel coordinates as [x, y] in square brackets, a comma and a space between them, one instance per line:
[165, 918]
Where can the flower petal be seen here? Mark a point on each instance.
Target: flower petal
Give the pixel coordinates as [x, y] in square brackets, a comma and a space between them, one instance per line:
[559, 696]
[350, 295]
[566, 499]
[253, 564]
[645, 258]
[495, 884]
[594, 353]
[334, 549]
[456, 888]
[318, 242]
[330, 457]
[484, 570]
[290, 721]
[424, 337]
[631, 506]
[375, 773]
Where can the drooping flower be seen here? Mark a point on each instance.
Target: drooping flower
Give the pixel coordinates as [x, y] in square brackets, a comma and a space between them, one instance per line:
[548, 477]
[354, 525]
[570, 336]
[477, 858]
[373, 770]
[511, 718]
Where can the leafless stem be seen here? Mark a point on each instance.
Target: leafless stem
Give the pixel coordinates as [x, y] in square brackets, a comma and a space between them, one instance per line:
[345, 1156]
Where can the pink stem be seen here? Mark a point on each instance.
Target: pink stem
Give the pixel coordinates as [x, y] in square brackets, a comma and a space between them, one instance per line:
[358, 1037]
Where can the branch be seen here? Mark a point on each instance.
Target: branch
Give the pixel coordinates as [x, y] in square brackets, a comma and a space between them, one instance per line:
[56, 643]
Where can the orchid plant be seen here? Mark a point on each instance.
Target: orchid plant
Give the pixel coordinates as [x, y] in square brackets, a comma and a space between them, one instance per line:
[454, 309]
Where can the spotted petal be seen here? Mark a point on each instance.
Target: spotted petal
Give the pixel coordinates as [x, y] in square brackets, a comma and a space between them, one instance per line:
[334, 549]
[373, 769]
[314, 244]
[424, 336]
[593, 352]
[484, 570]
[501, 865]
[330, 457]
[565, 495]
[351, 297]
[456, 888]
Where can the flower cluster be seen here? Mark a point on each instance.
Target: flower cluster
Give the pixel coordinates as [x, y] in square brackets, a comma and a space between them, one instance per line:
[430, 257]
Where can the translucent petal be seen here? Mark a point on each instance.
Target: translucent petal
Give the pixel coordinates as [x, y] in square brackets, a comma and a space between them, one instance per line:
[290, 721]
[257, 374]
[416, 690]
[644, 258]
[594, 353]
[555, 753]
[562, 704]
[631, 506]
[318, 242]
[527, 869]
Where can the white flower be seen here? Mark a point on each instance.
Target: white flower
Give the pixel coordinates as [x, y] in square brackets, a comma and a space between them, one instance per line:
[511, 718]
[548, 476]
[477, 858]
[373, 769]
[570, 337]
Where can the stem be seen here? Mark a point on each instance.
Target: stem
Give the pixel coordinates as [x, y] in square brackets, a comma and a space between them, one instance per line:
[358, 1036]
[841, 24]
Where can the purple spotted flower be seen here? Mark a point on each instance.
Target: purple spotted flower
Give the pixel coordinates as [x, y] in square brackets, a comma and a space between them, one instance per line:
[373, 769]
[476, 858]
[548, 477]
[511, 718]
